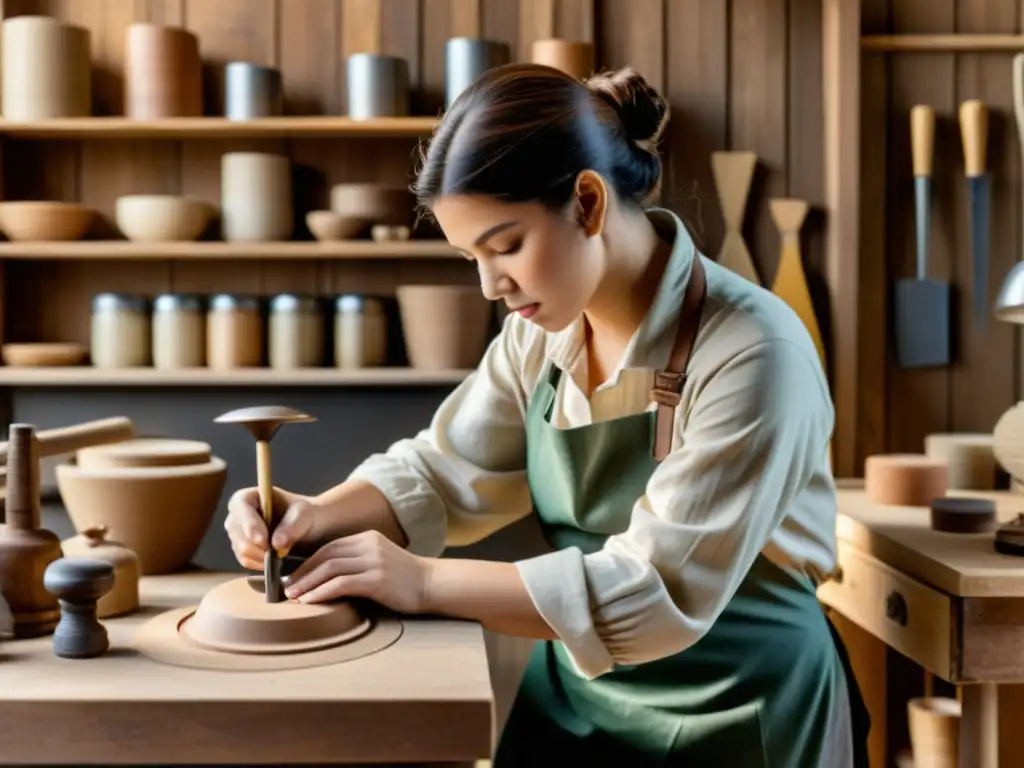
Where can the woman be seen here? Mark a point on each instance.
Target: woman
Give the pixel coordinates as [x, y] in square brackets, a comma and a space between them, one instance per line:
[666, 420]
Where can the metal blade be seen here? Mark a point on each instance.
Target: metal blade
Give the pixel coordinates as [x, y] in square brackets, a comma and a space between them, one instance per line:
[922, 221]
[979, 202]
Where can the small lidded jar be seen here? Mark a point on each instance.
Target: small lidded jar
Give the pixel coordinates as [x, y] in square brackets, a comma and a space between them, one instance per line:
[123, 597]
[360, 332]
[296, 335]
[234, 332]
[179, 332]
[120, 331]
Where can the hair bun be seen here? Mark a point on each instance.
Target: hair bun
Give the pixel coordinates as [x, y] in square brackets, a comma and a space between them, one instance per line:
[643, 111]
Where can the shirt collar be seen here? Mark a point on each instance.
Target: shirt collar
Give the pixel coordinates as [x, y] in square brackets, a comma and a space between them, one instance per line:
[652, 341]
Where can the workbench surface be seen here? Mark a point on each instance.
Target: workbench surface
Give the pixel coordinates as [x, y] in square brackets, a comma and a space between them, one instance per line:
[427, 698]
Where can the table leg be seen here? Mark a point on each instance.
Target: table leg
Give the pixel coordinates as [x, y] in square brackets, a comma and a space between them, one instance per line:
[979, 726]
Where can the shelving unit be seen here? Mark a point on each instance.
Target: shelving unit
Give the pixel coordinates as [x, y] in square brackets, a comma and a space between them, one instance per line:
[84, 377]
[209, 250]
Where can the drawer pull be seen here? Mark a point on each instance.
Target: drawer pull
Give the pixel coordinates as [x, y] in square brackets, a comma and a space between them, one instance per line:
[896, 608]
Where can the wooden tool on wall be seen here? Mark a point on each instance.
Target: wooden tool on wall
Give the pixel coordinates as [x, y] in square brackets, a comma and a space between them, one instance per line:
[733, 173]
[790, 282]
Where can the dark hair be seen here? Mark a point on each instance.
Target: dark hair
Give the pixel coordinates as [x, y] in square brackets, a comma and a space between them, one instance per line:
[524, 132]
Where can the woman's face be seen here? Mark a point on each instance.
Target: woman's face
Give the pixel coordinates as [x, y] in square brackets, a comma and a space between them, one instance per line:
[545, 265]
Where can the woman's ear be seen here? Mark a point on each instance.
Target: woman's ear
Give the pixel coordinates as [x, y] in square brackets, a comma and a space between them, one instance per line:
[591, 203]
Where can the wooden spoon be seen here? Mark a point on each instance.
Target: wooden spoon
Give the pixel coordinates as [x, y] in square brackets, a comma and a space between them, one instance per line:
[733, 173]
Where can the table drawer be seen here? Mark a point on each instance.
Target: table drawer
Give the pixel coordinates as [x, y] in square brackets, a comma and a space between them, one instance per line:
[905, 614]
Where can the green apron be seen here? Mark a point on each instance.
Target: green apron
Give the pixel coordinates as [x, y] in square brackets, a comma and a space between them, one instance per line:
[756, 691]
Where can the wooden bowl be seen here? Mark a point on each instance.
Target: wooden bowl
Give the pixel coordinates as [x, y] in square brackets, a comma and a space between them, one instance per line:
[47, 355]
[161, 218]
[44, 220]
[160, 513]
[377, 203]
[329, 226]
[444, 326]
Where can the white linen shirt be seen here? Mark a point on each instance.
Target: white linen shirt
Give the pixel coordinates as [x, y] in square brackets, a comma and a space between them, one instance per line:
[748, 471]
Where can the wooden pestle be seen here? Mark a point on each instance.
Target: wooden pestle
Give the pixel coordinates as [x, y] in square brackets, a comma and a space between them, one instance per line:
[53, 442]
[26, 549]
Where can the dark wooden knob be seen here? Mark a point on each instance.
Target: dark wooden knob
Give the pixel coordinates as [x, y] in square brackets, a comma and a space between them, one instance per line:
[78, 583]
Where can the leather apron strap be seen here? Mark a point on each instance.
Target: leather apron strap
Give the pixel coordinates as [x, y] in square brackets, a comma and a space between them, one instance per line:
[668, 383]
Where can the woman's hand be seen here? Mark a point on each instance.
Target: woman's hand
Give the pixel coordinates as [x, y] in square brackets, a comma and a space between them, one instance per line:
[367, 565]
[248, 533]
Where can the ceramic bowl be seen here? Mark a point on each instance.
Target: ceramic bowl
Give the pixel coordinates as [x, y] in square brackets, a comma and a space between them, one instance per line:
[330, 226]
[161, 218]
[160, 513]
[377, 203]
[445, 326]
[43, 354]
[144, 452]
[43, 220]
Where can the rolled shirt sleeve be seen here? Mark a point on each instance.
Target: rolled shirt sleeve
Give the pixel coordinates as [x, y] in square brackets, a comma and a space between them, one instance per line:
[464, 476]
[758, 428]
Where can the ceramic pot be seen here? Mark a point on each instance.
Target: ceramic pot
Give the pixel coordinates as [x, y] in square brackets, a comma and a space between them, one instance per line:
[256, 197]
[374, 203]
[378, 86]
[251, 91]
[466, 58]
[123, 597]
[46, 66]
[574, 58]
[163, 73]
[445, 326]
[161, 218]
[934, 731]
[44, 220]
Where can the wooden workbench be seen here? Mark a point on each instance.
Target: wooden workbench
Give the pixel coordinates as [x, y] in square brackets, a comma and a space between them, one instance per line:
[949, 602]
[426, 699]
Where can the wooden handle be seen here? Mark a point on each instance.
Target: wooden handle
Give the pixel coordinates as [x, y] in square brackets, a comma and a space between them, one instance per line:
[922, 138]
[974, 133]
[53, 442]
[1018, 93]
[264, 481]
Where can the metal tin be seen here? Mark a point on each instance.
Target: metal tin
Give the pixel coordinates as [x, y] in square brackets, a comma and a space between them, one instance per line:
[378, 86]
[251, 91]
[466, 58]
[296, 332]
[179, 331]
[174, 302]
[224, 302]
[106, 302]
[294, 302]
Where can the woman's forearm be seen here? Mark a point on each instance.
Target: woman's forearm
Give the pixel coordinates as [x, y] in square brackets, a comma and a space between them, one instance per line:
[488, 592]
[353, 507]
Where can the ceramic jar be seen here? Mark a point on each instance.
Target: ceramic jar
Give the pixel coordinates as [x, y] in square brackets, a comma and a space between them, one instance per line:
[574, 58]
[120, 331]
[256, 197]
[179, 332]
[46, 68]
[251, 91]
[465, 59]
[295, 332]
[234, 332]
[360, 332]
[163, 73]
[378, 86]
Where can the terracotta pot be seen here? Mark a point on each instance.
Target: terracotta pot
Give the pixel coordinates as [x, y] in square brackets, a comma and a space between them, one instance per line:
[163, 74]
[160, 513]
[573, 58]
[445, 326]
[256, 197]
[47, 69]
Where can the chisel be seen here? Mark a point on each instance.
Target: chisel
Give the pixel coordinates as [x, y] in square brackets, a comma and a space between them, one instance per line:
[974, 134]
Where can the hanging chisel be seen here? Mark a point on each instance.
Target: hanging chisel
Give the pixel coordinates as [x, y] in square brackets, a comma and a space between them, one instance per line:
[974, 134]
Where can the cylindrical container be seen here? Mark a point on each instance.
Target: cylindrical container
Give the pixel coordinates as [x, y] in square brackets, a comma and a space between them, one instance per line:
[46, 69]
[934, 724]
[378, 86]
[574, 58]
[466, 58]
[234, 332]
[163, 73]
[256, 197]
[296, 332]
[120, 330]
[179, 332]
[251, 91]
[360, 332]
[972, 462]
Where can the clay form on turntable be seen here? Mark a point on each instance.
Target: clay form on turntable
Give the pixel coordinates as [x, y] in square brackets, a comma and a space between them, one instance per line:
[263, 423]
[123, 597]
[43, 354]
[78, 583]
[956, 514]
[905, 479]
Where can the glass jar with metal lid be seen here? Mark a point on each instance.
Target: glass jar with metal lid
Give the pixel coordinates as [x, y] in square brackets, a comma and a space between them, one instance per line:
[179, 331]
[234, 332]
[296, 331]
[360, 332]
[120, 331]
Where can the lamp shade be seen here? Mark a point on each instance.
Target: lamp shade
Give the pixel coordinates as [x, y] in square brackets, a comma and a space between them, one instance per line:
[1009, 306]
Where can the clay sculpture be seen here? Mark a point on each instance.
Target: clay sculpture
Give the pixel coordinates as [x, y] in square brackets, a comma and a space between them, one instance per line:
[78, 583]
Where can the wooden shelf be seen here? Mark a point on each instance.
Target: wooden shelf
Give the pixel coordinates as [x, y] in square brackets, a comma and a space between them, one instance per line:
[219, 127]
[127, 250]
[942, 43]
[84, 376]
